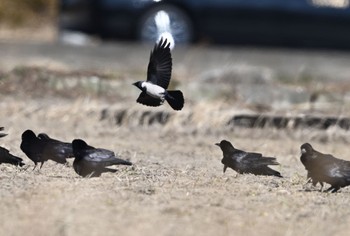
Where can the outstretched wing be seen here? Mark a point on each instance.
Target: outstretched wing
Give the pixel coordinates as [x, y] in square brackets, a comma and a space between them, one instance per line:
[147, 100]
[160, 64]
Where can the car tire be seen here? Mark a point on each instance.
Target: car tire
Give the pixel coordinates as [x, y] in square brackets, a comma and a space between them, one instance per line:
[180, 25]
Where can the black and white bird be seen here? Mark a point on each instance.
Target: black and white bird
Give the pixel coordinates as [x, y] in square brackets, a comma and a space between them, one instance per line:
[246, 162]
[154, 90]
[92, 162]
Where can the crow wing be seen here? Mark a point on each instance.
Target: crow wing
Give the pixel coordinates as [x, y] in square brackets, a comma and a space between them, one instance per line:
[99, 155]
[338, 169]
[251, 160]
[160, 64]
[147, 100]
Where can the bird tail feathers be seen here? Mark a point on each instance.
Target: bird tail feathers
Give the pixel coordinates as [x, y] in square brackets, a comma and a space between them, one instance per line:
[269, 161]
[121, 162]
[273, 172]
[175, 99]
[109, 170]
[16, 161]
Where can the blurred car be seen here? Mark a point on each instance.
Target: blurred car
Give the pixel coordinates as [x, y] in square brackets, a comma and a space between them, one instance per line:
[291, 22]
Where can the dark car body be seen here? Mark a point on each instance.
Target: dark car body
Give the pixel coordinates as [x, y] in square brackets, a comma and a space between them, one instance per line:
[290, 22]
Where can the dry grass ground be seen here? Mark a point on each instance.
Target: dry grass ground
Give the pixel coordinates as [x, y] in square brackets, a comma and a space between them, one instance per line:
[176, 186]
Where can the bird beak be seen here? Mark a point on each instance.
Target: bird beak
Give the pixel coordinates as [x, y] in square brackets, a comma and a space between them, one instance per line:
[217, 144]
[135, 84]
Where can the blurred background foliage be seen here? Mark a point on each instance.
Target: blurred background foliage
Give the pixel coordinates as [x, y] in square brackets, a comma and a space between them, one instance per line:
[18, 13]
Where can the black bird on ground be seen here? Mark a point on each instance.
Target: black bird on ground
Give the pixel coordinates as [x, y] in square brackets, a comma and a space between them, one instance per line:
[7, 157]
[2, 134]
[35, 149]
[246, 162]
[325, 168]
[92, 162]
[154, 90]
[307, 159]
[56, 148]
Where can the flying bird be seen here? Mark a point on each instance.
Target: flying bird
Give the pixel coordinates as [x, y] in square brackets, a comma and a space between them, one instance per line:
[2, 134]
[7, 157]
[325, 168]
[35, 149]
[246, 162]
[154, 90]
[92, 162]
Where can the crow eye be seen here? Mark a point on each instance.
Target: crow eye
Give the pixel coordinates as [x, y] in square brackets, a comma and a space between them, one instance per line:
[303, 150]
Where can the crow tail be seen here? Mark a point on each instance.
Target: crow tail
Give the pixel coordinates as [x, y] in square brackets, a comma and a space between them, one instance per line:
[15, 161]
[175, 99]
[275, 173]
[122, 162]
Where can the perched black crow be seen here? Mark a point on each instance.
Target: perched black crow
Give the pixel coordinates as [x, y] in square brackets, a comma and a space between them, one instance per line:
[246, 162]
[92, 162]
[34, 148]
[2, 134]
[310, 166]
[55, 148]
[325, 168]
[7, 157]
[154, 90]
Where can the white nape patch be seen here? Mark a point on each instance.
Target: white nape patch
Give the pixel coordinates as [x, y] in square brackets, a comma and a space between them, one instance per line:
[162, 20]
[154, 90]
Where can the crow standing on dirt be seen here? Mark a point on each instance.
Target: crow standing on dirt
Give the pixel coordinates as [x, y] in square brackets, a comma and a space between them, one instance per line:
[154, 91]
[246, 162]
[34, 148]
[325, 168]
[92, 162]
[2, 134]
[306, 158]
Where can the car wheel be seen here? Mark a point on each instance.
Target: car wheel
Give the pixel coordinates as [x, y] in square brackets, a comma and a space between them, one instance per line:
[165, 19]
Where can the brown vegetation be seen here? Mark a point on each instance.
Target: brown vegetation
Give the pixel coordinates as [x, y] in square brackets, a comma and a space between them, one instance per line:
[176, 186]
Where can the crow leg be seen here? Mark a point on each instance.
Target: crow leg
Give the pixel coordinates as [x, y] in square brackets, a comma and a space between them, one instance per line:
[35, 166]
[321, 190]
[42, 163]
[335, 189]
[307, 182]
[332, 189]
